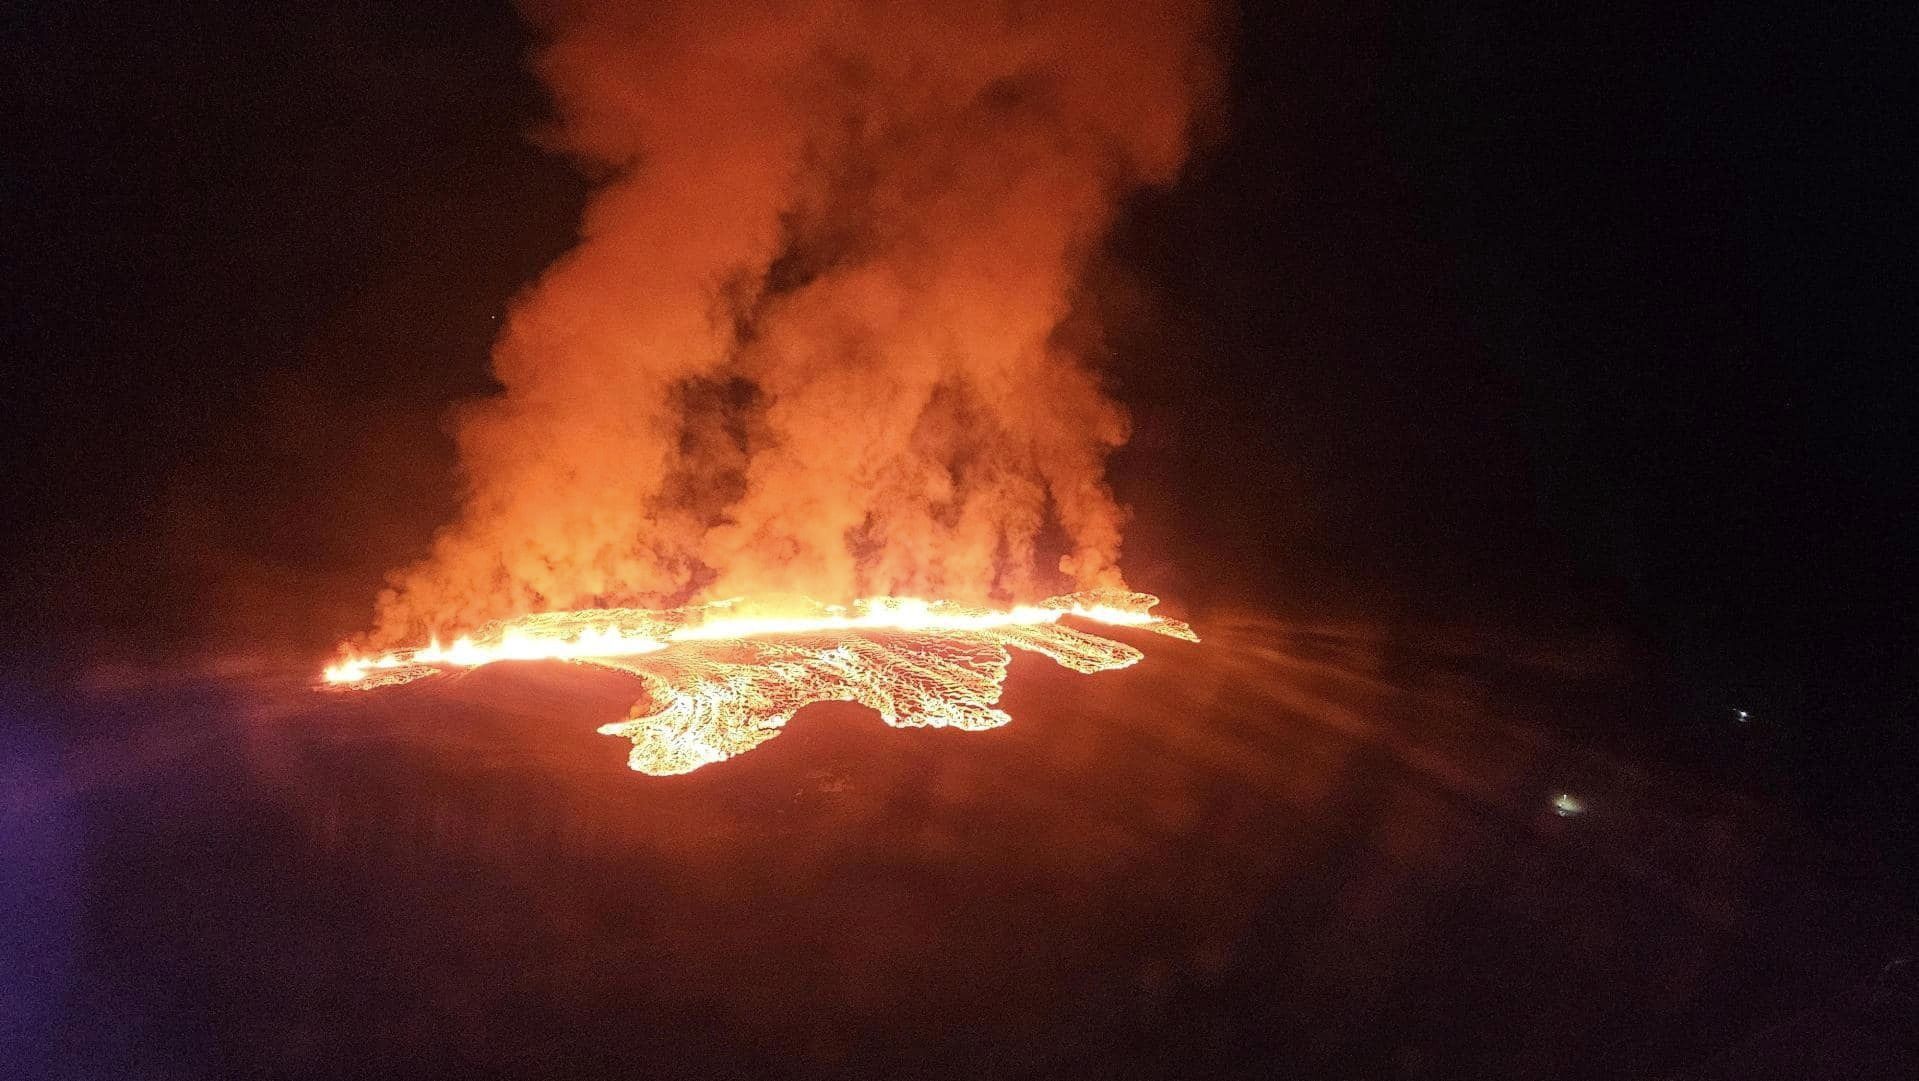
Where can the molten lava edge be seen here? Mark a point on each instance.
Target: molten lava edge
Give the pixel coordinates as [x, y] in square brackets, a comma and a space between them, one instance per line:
[722, 678]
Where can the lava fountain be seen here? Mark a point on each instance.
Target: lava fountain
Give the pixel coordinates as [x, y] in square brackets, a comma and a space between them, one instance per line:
[722, 678]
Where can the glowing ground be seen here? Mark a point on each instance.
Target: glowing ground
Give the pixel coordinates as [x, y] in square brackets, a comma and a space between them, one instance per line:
[1300, 849]
[721, 679]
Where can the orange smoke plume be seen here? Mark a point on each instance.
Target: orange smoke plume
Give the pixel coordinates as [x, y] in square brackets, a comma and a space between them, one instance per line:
[807, 342]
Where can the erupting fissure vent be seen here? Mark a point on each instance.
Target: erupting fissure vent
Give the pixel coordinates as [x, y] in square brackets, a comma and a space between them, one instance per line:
[722, 678]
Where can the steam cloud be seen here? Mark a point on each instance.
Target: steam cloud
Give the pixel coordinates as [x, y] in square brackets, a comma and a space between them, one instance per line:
[810, 340]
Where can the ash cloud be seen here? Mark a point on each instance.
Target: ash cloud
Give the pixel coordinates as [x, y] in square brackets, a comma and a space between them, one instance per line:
[809, 340]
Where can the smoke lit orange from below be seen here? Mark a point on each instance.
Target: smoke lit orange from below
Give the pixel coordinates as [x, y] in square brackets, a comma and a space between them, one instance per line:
[824, 333]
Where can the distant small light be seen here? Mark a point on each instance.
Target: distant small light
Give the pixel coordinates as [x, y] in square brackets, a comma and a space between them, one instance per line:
[1566, 805]
[1742, 715]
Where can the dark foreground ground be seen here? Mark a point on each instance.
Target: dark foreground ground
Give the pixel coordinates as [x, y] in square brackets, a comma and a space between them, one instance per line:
[1298, 851]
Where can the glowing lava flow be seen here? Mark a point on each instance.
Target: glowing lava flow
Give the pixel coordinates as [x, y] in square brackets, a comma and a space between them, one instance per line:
[721, 679]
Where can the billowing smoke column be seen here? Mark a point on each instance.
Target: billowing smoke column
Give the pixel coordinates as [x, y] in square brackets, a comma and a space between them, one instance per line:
[810, 338]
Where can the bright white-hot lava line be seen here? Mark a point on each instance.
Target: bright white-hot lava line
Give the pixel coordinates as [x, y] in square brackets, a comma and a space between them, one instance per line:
[722, 678]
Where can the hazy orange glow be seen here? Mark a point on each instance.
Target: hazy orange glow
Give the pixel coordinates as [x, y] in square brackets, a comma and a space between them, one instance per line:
[828, 330]
[732, 673]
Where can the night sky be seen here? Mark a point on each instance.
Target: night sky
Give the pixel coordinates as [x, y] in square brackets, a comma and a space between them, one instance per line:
[1590, 325]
